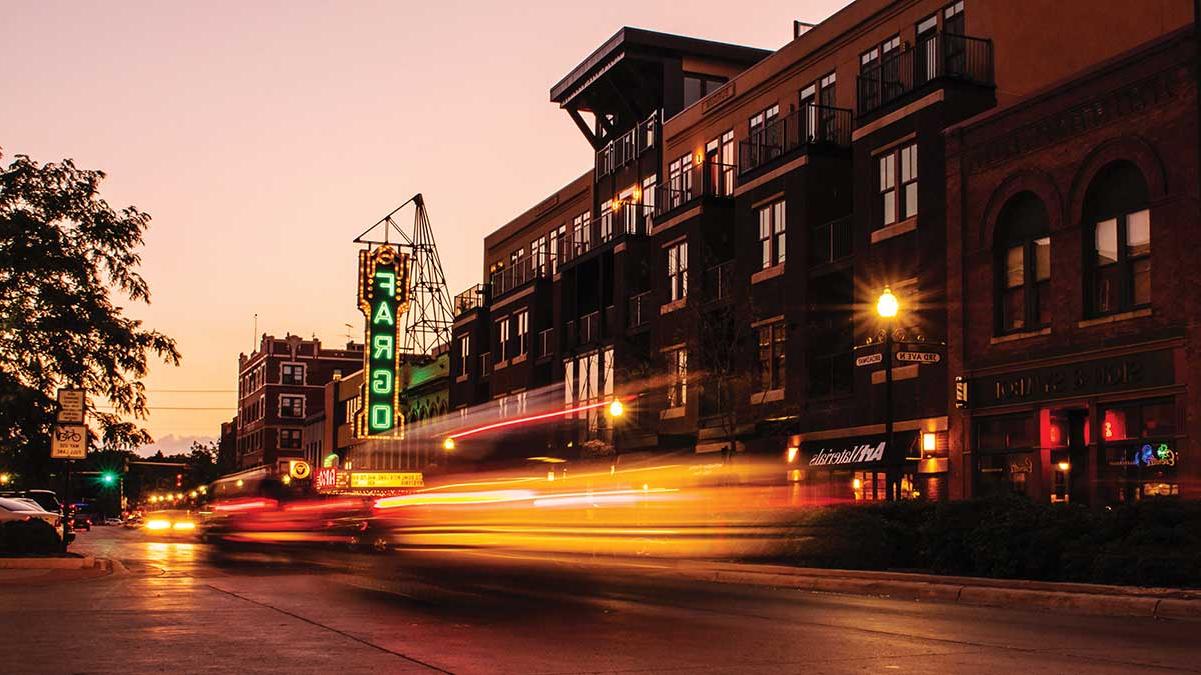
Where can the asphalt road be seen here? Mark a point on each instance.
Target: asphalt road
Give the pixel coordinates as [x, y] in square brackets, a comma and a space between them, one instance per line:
[180, 610]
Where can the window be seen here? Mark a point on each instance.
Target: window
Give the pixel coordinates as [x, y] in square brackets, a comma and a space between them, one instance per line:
[698, 86]
[581, 233]
[677, 374]
[540, 255]
[606, 221]
[464, 353]
[679, 181]
[557, 238]
[502, 347]
[761, 119]
[289, 438]
[291, 406]
[719, 154]
[677, 270]
[831, 334]
[1023, 265]
[292, 373]
[898, 202]
[771, 356]
[648, 202]
[1116, 204]
[523, 332]
[771, 233]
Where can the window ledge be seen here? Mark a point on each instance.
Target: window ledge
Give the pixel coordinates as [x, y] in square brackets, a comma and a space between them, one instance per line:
[767, 396]
[768, 273]
[672, 306]
[461, 378]
[1114, 318]
[902, 373]
[894, 230]
[672, 413]
[520, 358]
[1014, 337]
[499, 365]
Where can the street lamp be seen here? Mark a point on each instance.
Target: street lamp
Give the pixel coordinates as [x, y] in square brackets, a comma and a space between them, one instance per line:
[887, 307]
[5, 478]
[448, 443]
[616, 408]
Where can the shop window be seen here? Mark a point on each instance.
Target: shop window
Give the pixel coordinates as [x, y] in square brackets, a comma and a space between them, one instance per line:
[1005, 457]
[1023, 265]
[1140, 450]
[1118, 221]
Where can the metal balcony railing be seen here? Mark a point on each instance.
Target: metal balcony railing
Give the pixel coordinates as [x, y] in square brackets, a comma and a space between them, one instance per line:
[811, 124]
[518, 274]
[626, 219]
[704, 179]
[546, 342]
[831, 242]
[590, 328]
[472, 298]
[629, 146]
[719, 281]
[640, 308]
[942, 55]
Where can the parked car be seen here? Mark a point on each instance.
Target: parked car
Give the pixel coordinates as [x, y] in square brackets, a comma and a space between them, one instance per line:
[45, 498]
[112, 521]
[81, 522]
[22, 509]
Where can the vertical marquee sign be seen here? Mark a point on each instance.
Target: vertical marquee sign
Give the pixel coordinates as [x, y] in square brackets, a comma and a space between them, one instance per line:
[383, 299]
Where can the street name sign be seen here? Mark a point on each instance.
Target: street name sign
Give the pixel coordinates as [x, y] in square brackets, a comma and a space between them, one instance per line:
[69, 441]
[869, 359]
[919, 357]
[70, 406]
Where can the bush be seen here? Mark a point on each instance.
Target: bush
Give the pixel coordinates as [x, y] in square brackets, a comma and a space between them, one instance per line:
[28, 537]
[1156, 542]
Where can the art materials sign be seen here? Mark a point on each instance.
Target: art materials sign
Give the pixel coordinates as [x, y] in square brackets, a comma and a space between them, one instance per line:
[383, 299]
[861, 452]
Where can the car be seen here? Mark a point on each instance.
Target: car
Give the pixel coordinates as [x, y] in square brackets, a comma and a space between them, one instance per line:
[45, 498]
[112, 521]
[133, 521]
[81, 522]
[21, 509]
[171, 523]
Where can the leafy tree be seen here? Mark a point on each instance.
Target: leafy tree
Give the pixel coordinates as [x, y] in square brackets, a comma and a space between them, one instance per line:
[65, 257]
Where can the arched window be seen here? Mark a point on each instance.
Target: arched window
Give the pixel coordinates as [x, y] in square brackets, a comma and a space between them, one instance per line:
[1117, 222]
[1023, 265]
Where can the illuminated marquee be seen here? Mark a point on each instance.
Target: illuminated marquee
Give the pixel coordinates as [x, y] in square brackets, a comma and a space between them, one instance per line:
[383, 299]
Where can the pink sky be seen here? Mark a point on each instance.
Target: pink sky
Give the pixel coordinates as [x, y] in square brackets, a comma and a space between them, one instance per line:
[263, 136]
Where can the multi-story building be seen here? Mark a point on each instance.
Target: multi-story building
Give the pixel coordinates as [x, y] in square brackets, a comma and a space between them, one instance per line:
[279, 385]
[1000, 175]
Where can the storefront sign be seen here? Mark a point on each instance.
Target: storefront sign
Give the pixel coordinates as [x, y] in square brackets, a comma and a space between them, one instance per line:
[329, 478]
[865, 451]
[386, 479]
[1023, 465]
[1135, 371]
[1150, 455]
[383, 299]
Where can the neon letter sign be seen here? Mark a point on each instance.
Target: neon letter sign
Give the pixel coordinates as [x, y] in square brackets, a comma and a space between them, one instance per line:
[383, 298]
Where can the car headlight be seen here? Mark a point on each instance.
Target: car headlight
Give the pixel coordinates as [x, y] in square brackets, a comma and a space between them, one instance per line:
[158, 524]
[184, 525]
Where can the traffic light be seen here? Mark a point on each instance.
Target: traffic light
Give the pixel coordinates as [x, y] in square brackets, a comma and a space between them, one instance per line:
[108, 478]
[179, 480]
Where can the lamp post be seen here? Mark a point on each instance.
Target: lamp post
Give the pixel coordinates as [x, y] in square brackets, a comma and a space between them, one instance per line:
[887, 307]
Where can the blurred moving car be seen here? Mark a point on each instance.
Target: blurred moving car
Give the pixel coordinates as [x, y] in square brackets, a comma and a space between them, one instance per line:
[23, 509]
[45, 498]
[172, 523]
[112, 521]
[133, 521]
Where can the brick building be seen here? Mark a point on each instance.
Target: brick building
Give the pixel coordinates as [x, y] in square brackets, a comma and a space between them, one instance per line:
[722, 259]
[279, 386]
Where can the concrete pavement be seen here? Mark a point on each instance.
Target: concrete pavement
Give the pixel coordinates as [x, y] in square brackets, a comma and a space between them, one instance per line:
[178, 609]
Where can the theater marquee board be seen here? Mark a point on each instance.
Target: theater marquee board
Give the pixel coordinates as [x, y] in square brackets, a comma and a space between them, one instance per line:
[1098, 376]
[383, 299]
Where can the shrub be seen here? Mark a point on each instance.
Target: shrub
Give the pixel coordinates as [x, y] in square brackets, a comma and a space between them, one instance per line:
[24, 537]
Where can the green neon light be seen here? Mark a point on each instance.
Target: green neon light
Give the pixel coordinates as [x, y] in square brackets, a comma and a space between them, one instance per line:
[383, 275]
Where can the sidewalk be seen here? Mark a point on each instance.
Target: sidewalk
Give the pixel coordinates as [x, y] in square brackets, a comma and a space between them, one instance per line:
[1093, 599]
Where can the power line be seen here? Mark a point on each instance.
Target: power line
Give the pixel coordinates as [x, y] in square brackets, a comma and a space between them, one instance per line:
[192, 391]
[166, 407]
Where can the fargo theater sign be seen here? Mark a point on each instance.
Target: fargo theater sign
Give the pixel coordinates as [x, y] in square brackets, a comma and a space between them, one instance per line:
[1098, 376]
[383, 299]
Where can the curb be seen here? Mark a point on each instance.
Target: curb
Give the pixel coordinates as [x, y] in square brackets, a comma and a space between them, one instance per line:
[1068, 598]
[85, 562]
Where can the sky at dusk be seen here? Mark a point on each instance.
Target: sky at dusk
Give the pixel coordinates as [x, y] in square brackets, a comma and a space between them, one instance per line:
[263, 136]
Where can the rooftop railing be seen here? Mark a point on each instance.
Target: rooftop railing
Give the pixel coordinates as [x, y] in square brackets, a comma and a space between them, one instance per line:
[472, 298]
[629, 146]
[518, 274]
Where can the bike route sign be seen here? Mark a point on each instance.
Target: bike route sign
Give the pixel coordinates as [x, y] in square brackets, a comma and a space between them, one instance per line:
[70, 441]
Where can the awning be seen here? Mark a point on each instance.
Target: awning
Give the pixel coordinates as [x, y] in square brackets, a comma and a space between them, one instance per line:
[861, 452]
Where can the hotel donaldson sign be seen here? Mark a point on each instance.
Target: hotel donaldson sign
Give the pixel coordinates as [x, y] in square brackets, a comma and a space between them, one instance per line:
[383, 299]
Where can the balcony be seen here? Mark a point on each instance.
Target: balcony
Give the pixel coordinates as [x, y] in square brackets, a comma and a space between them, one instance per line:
[590, 328]
[518, 274]
[942, 56]
[708, 179]
[719, 282]
[640, 308]
[830, 242]
[629, 146]
[472, 298]
[626, 219]
[810, 125]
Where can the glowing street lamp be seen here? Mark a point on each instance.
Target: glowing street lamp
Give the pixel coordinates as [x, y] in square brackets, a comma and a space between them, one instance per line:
[5, 478]
[887, 307]
[616, 408]
[448, 443]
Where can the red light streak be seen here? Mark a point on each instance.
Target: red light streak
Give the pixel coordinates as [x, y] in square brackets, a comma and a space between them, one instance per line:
[531, 418]
[245, 505]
